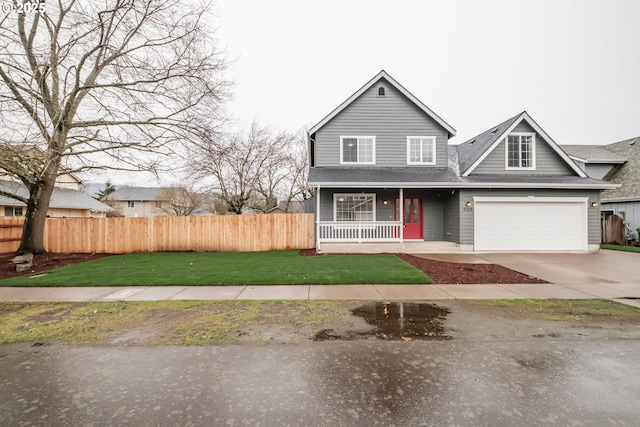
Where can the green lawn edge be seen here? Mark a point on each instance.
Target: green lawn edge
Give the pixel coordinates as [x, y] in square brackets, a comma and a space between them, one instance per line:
[620, 248]
[227, 269]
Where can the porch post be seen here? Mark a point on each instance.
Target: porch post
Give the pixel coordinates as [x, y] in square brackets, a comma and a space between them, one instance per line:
[318, 218]
[401, 201]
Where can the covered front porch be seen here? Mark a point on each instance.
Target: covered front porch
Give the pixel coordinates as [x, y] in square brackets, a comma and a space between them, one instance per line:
[375, 220]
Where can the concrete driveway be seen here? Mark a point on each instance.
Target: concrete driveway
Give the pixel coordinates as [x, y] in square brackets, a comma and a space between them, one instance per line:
[598, 271]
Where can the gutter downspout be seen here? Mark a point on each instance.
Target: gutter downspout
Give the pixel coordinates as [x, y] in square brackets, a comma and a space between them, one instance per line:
[401, 200]
[318, 218]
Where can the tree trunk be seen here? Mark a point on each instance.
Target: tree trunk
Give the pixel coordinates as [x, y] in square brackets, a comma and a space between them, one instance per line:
[35, 218]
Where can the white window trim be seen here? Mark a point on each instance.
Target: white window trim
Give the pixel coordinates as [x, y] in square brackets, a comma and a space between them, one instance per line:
[533, 152]
[373, 148]
[335, 199]
[409, 162]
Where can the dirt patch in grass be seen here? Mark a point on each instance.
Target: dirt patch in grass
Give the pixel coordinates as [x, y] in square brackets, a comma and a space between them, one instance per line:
[444, 273]
[449, 273]
[43, 262]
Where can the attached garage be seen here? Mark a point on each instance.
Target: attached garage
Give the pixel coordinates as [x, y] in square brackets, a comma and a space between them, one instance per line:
[530, 224]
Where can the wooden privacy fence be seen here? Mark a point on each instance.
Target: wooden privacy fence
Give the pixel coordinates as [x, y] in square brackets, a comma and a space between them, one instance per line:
[10, 233]
[229, 233]
[613, 229]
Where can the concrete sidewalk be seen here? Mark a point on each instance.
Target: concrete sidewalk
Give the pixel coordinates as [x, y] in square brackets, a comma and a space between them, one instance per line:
[621, 292]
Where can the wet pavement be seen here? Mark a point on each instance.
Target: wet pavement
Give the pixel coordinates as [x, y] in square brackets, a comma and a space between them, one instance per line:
[356, 383]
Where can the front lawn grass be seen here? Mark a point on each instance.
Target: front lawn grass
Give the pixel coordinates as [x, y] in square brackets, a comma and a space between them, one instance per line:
[228, 268]
[620, 248]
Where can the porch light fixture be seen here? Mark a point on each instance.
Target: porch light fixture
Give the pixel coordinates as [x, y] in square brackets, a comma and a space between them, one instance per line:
[385, 202]
[468, 203]
[594, 204]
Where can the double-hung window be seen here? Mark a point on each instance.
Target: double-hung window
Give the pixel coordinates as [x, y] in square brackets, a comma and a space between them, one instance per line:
[521, 151]
[354, 207]
[358, 149]
[421, 150]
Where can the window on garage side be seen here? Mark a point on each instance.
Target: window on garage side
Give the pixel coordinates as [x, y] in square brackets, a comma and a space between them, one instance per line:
[354, 207]
[520, 152]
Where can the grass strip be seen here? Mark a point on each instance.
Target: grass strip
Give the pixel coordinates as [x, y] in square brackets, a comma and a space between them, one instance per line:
[620, 248]
[228, 268]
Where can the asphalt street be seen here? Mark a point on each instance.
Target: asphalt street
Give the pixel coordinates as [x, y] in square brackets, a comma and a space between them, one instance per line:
[363, 383]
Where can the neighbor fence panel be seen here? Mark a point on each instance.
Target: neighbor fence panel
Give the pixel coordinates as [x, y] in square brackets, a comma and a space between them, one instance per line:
[231, 233]
[10, 233]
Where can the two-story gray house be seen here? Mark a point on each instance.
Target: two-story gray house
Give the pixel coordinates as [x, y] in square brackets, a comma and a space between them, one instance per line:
[387, 179]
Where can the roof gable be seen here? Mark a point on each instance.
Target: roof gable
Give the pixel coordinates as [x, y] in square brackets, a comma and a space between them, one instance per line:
[471, 153]
[383, 75]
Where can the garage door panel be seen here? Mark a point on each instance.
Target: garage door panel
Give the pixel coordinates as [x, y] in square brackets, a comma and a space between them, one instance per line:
[530, 226]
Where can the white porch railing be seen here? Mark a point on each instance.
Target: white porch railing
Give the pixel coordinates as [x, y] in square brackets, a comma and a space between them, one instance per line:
[366, 231]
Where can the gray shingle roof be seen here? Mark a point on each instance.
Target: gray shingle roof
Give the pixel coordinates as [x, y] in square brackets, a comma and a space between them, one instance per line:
[470, 151]
[627, 174]
[62, 198]
[139, 194]
[446, 178]
[592, 154]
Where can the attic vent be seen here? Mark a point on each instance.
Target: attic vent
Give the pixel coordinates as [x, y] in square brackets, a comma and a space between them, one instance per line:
[632, 142]
[381, 91]
[472, 141]
[494, 131]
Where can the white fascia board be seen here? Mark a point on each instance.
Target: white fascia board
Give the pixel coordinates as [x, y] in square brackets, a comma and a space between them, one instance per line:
[458, 185]
[597, 161]
[530, 199]
[554, 145]
[367, 86]
[525, 116]
[493, 146]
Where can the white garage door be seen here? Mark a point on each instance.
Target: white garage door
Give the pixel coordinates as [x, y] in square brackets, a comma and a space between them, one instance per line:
[530, 223]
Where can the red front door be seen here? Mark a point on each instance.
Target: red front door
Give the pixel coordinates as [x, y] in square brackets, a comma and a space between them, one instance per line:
[412, 217]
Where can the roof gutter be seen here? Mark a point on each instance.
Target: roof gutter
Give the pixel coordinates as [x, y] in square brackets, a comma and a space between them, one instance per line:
[455, 185]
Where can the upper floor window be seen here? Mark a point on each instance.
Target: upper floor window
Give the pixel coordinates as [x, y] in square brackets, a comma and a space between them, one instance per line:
[358, 149]
[521, 151]
[381, 91]
[131, 204]
[421, 150]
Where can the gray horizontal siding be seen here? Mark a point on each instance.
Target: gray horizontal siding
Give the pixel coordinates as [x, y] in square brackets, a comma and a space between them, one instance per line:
[466, 214]
[548, 162]
[451, 219]
[390, 119]
[631, 212]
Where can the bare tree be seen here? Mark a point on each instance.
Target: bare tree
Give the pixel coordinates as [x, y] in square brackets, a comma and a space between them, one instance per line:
[297, 164]
[179, 201]
[101, 84]
[251, 170]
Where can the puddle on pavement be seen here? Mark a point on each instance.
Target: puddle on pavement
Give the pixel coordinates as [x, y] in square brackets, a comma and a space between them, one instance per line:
[395, 321]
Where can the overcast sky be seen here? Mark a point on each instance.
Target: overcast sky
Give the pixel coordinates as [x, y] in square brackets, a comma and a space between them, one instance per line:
[573, 65]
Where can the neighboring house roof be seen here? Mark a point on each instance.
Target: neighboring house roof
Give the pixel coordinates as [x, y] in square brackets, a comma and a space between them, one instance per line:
[141, 194]
[472, 152]
[441, 178]
[593, 154]
[383, 75]
[627, 174]
[62, 198]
